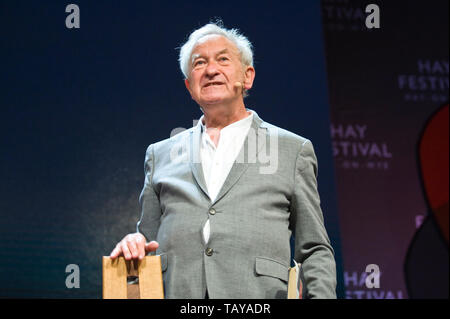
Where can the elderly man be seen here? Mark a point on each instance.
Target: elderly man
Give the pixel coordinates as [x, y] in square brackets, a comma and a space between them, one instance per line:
[220, 218]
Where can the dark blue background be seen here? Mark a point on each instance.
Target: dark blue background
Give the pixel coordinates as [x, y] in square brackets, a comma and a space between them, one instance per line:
[80, 106]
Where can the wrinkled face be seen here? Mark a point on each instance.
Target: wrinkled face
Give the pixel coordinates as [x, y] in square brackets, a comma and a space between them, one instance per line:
[215, 67]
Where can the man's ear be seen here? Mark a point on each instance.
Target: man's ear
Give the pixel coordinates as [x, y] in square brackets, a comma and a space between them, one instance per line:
[186, 83]
[249, 77]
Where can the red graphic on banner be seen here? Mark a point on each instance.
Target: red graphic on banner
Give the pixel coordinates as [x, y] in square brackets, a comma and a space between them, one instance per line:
[426, 265]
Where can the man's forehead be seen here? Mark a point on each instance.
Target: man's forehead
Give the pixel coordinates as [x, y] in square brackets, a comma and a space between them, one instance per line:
[216, 43]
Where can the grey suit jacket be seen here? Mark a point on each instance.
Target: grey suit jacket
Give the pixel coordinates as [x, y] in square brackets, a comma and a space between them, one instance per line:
[270, 193]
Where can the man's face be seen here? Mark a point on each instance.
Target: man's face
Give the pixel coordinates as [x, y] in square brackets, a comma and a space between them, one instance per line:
[215, 67]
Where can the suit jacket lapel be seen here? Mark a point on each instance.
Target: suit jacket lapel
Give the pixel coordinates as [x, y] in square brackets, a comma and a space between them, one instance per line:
[195, 160]
[253, 143]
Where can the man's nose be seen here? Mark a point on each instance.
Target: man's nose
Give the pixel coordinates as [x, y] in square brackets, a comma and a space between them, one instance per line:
[211, 69]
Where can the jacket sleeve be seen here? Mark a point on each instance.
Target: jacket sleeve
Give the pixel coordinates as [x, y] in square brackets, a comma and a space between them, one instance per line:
[149, 221]
[312, 245]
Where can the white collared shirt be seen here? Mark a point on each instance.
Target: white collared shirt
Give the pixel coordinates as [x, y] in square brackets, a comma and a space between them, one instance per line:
[217, 161]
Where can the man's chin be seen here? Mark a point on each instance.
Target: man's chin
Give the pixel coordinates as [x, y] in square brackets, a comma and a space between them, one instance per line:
[212, 100]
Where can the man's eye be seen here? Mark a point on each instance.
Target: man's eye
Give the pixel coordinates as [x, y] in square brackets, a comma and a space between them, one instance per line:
[196, 63]
[223, 58]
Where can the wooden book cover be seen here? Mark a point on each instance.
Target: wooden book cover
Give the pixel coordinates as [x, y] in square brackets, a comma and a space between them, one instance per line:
[132, 279]
[295, 288]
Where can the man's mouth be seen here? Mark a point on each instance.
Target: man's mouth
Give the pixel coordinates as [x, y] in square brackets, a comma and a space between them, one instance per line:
[212, 83]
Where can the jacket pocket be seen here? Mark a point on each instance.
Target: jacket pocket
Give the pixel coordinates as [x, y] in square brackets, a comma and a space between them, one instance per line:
[265, 266]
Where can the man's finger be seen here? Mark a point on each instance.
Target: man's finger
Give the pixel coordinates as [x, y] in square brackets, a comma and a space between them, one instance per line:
[140, 243]
[151, 246]
[131, 242]
[116, 252]
[125, 250]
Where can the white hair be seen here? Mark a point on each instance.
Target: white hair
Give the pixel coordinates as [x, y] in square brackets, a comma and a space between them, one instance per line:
[242, 43]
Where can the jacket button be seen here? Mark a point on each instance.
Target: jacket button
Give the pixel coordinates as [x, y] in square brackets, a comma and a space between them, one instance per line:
[212, 211]
[209, 251]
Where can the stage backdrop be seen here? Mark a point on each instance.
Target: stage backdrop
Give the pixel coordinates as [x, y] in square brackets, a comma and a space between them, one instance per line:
[80, 106]
[385, 84]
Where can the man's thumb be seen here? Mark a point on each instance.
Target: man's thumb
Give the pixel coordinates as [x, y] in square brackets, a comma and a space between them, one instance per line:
[151, 246]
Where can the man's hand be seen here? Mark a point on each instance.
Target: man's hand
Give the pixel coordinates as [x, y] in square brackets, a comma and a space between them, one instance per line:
[133, 246]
